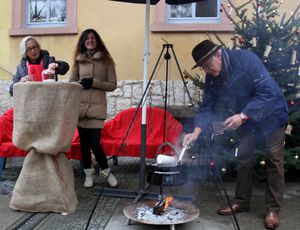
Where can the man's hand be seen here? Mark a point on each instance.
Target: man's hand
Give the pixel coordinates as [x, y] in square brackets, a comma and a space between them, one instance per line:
[191, 137]
[233, 122]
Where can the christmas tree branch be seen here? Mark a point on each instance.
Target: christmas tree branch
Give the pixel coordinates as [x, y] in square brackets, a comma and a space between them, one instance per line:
[229, 16]
[293, 15]
[218, 38]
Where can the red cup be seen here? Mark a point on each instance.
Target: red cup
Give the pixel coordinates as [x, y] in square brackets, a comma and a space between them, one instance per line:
[47, 74]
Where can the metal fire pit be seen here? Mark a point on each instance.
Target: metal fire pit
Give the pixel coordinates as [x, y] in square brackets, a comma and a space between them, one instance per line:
[188, 213]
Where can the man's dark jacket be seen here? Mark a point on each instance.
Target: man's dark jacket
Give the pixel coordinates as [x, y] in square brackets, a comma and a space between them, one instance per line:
[244, 85]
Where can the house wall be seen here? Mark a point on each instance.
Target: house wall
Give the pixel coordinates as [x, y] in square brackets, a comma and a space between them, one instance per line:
[122, 27]
[5, 20]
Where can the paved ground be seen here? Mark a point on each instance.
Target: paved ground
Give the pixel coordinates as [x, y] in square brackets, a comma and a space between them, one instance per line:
[109, 211]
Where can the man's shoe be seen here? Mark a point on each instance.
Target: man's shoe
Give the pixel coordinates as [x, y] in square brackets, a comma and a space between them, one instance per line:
[235, 209]
[272, 220]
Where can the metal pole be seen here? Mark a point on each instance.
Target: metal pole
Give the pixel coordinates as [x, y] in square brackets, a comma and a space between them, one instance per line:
[144, 109]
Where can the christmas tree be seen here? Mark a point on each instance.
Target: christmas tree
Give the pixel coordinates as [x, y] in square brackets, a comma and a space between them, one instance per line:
[274, 37]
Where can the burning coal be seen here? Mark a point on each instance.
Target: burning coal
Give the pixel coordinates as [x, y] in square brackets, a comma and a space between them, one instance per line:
[160, 207]
[174, 212]
[169, 216]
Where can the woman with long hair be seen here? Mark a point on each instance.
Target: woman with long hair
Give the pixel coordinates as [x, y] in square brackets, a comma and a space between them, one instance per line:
[94, 69]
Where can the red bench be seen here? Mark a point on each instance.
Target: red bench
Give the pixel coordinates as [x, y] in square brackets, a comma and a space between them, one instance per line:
[112, 135]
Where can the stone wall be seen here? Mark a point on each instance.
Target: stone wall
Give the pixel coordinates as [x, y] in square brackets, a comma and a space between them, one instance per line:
[128, 94]
[5, 98]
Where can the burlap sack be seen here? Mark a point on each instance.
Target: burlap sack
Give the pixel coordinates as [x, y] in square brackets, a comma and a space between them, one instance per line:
[45, 115]
[45, 119]
[46, 183]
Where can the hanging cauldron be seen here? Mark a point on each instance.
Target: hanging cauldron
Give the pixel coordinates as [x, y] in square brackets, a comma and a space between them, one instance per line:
[168, 172]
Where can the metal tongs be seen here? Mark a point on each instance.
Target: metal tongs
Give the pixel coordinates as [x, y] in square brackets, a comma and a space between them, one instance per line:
[184, 149]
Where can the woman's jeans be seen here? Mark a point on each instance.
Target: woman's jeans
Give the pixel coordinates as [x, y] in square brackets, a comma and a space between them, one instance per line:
[90, 140]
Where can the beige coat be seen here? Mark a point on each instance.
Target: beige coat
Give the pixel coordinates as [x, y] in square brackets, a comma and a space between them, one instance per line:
[93, 107]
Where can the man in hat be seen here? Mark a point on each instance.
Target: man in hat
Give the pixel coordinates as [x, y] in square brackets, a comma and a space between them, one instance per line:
[256, 108]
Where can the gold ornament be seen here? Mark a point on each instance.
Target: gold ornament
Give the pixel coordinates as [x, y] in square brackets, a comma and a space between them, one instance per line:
[262, 163]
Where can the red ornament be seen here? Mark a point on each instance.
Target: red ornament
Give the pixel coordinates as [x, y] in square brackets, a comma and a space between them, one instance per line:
[292, 103]
[212, 164]
[221, 10]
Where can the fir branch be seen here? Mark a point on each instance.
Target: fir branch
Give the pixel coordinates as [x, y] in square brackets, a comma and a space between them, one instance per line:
[241, 6]
[218, 38]
[293, 15]
[229, 16]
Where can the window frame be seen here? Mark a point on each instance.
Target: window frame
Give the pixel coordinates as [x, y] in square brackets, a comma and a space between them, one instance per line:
[161, 24]
[42, 24]
[19, 21]
[193, 19]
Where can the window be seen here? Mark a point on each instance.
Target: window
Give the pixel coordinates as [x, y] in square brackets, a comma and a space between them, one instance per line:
[203, 15]
[42, 17]
[200, 12]
[46, 13]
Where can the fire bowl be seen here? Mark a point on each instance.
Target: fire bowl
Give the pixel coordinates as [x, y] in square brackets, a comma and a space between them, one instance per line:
[180, 212]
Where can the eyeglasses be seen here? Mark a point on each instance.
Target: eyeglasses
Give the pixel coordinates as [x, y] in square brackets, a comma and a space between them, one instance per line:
[207, 64]
[32, 49]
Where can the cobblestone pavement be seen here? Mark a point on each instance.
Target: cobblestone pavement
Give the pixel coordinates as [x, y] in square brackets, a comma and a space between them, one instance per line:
[86, 199]
[109, 215]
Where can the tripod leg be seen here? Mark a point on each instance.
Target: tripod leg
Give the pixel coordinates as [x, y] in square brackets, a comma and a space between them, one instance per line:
[218, 175]
[181, 75]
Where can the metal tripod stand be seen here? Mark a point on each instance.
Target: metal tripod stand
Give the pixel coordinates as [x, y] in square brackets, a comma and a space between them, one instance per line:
[142, 184]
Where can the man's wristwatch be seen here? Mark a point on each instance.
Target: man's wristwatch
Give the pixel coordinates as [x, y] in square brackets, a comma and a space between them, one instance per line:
[243, 117]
